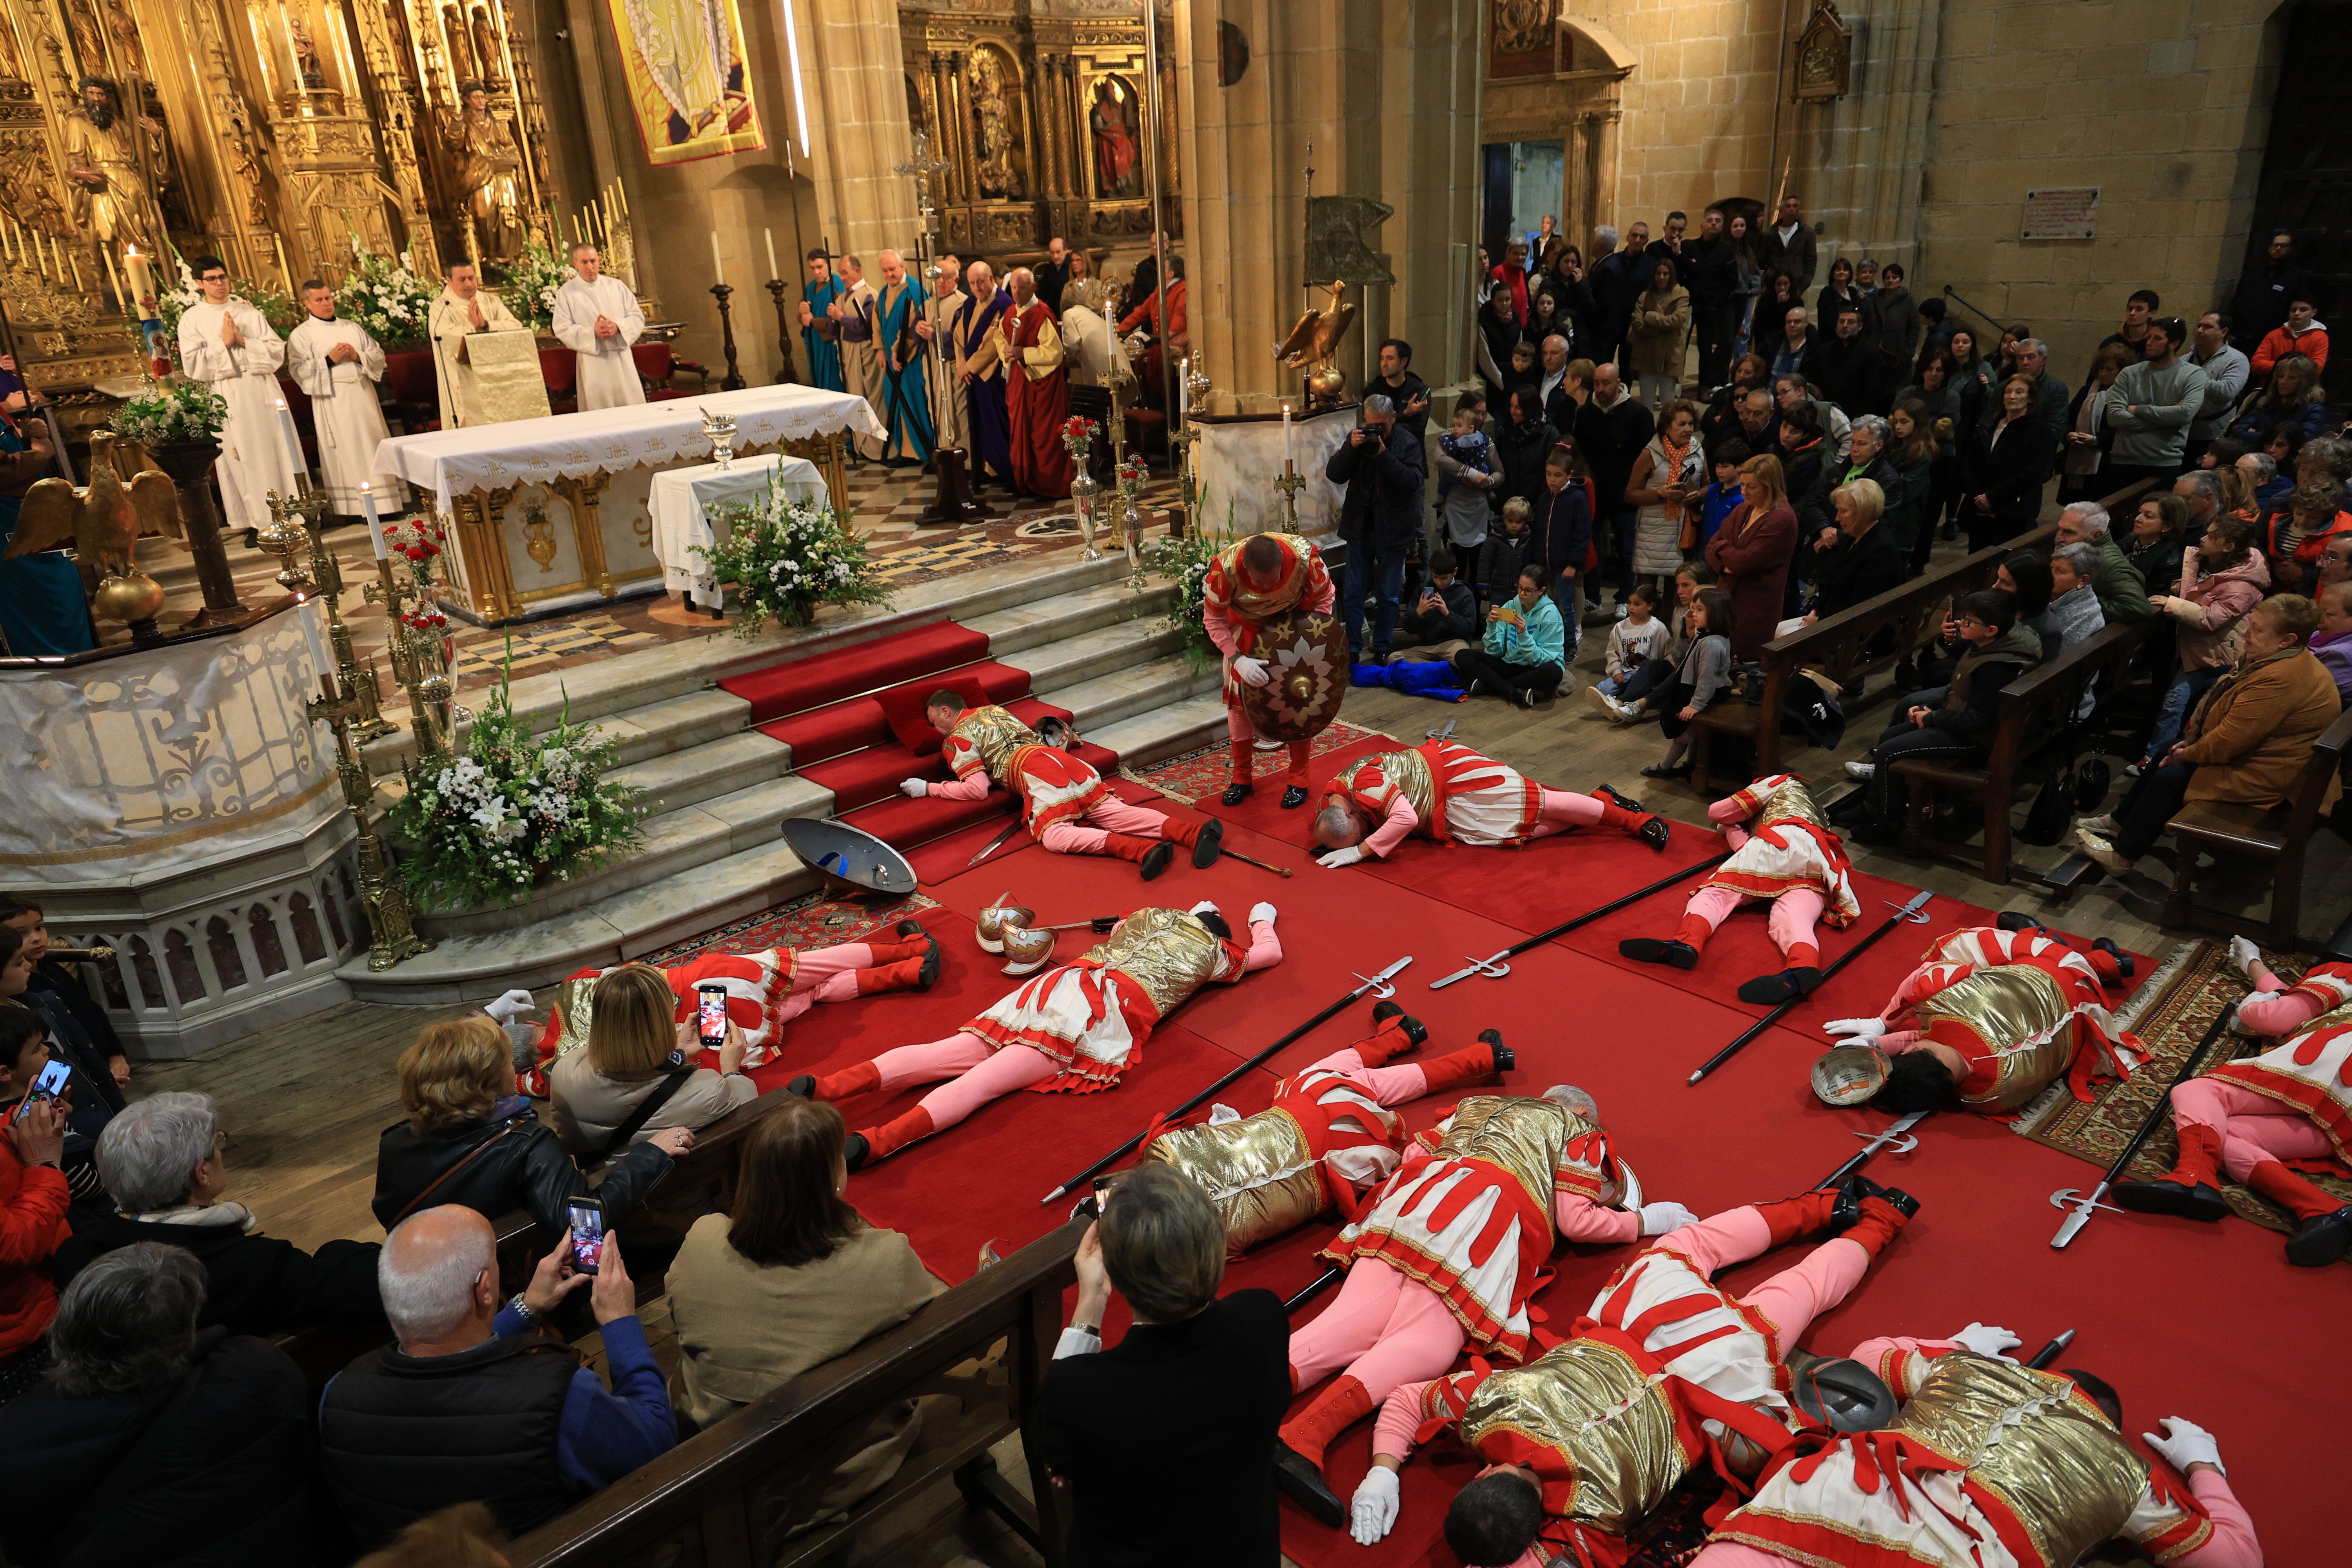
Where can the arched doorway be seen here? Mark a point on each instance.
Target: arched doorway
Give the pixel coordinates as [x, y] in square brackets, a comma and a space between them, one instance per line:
[1549, 107]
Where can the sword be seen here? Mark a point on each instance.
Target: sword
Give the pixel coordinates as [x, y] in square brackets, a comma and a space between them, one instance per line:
[1897, 1137]
[2050, 1352]
[2079, 1205]
[1315, 1287]
[1493, 968]
[994, 844]
[1908, 911]
[1445, 733]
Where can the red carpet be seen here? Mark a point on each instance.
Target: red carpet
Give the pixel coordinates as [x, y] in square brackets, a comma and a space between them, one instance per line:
[828, 677]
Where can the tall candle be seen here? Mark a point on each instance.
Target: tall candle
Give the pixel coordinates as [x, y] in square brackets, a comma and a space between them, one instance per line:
[285, 273]
[73, 260]
[374, 522]
[142, 279]
[769, 235]
[621, 193]
[1289, 455]
[1184, 390]
[7, 230]
[115, 279]
[293, 438]
[717, 269]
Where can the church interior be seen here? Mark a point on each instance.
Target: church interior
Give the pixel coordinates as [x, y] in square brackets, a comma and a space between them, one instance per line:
[1831, 648]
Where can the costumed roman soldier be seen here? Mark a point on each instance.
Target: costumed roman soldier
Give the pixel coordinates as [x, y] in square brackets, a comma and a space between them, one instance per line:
[1449, 793]
[1265, 576]
[1782, 852]
[1997, 1016]
[1329, 1136]
[1065, 804]
[1987, 1462]
[2264, 1120]
[1072, 1029]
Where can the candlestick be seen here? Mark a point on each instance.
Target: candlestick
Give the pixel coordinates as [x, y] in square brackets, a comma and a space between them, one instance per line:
[734, 381]
[769, 235]
[392, 919]
[789, 373]
[374, 521]
[717, 268]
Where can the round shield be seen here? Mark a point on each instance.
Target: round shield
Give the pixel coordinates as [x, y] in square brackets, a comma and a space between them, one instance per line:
[1850, 1074]
[1307, 655]
[849, 861]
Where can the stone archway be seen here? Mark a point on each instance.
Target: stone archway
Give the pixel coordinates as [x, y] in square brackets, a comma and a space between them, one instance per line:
[1565, 84]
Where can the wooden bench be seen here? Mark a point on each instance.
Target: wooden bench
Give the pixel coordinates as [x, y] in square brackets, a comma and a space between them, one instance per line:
[722, 1498]
[2034, 709]
[2280, 834]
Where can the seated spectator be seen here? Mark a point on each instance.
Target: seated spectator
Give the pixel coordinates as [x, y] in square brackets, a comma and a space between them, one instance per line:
[98, 1094]
[2332, 642]
[794, 1278]
[2270, 487]
[161, 1161]
[155, 1440]
[470, 1139]
[2123, 594]
[1196, 1389]
[2298, 532]
[1468, 472]
[1955, 720]
[2220, 581]
[33, 1197]
[1866, 459]
[2292, 400]
[2025, 574]
[1523, 658]
[2237, 493]
[2336, 562]
[2222, 453]
[1640, 642]
[1701, 680]
[463, 1535]
[2159, 537]
[1856, 559]
[1445, 611]
[2245, 743]
[2074, 615]
[53, 980]
[472, 1406]
[637, 1074]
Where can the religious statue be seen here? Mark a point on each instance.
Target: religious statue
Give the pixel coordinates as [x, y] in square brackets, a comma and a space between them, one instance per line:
[1114, 122]
[462, 63]
[111, 198]
[1522, 26]
[305, 48]
[1312, 343]
[488, 163]
[486, 53]
[993, 113]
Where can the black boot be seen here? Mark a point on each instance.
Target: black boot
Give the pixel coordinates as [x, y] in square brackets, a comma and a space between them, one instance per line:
[1650, 950]
[1300, 1477]
[1506, 1058]
[854, 1155]
[1294, 797]
[1209, 845]
[1156, 858]
[2320, 1242]
[1236, 793]
[1771, 990]
[2165, 1196]
[1623, 802]
[1654, 832]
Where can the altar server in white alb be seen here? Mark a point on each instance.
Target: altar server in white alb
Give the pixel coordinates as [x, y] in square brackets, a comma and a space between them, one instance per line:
[597, 318]
[225, 343]
[338, 365]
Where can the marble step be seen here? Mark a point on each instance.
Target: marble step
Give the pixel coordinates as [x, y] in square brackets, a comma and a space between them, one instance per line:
[1070, 661]
[1165, 732]
[1066, 614]
[1105, 700]
[674, 780]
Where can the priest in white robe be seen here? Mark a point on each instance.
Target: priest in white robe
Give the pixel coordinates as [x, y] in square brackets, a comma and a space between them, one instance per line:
[339, 366]
[461, 312]
[597, 318]
[225, 343]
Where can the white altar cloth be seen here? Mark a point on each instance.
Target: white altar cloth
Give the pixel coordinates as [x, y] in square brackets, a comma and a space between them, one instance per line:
[1240, 460]
[680, 503]
[451, 463]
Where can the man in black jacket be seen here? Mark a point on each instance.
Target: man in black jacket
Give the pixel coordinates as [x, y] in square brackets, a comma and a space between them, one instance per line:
[1614, 289]
[1610, 430]
[1711, 273]
[2266, 290]
[1846, 367]
[1381, 465]
[1407, 391]
[161, 1161]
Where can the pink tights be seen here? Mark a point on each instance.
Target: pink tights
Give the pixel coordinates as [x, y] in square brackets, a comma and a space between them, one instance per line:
[824, 974]
[1794, 912]
[978, 1075]
[1113, 814]
[1562, 809]
[1384, 1328]
[1790, 1299]
[1389, 1085]
[2252, 1127]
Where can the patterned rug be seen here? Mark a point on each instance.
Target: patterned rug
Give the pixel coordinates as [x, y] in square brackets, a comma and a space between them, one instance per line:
[1193, 777]
[2183, 1005]
[815, 920]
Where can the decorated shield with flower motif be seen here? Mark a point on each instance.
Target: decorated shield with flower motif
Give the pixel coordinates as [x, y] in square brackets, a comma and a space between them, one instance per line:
[1305, 656]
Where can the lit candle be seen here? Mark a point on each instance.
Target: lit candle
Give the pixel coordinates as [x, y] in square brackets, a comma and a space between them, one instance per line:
[770, 235]
[1184, 390]
[374, 522]
[293, 438]
[1289, 455]
[142, 279]
[717, 269]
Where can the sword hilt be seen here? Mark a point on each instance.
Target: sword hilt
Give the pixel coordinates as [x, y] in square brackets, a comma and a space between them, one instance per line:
[1890, 1142]
[1377, 986]
[1492, 968]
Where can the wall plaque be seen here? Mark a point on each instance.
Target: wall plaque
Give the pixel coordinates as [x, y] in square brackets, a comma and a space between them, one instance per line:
[2070, 212]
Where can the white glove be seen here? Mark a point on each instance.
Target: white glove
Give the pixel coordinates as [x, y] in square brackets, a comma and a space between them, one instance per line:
[1660, 1217]
[1251, 670]
[2184, 1443]
[1347, 857]
[2244, 955]
[1261, 914]
[1220, 1114]
[1372, 1513]
[1855, 1029]
[1988, 1340]
[1205, 907]
[914, 789]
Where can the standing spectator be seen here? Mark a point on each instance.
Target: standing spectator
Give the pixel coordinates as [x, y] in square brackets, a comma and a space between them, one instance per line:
[1524, 440]
[2031, 358]
[1846, 366]
[2303, 332]
[56, 984]
[1747, 273]
[1670, 245]
[1713, 279]
[1611, 431]
[1615, 287]
[155, 1441]
[1911, 449]
[2291, 403]
[2299, 531]
[2222, 578]
[1788, 244]
[1729, 414]
[637, 1073]
[1656, 335]
[2089, 441]
[1975, 380]
[2264, 290]
[1524, 655]
[2332, 642]
[1381, 466]
[1828, 420]
[2002, 472]
[1571, 298]
[1751, 554]
[1196, 1389]
[2004, 355]
[1935, 329]
[2151, 403]
[1794, 351]
[1721, 500]
[1837, 293]
[1512, 274]
[1891, 325]
[1805, 453]
[1498, 335]
[1446, 610]
[2138, 311]
[2123, 593]
[1052, 274]
[1556, 387]
[1939, 396]
[2160, 538]
[2227, 376]
[1859, 559]
[1666, 480]
[33, 1202]
[1703, 679]
[471, 1404]
[1509, 546]
[1407, 391]
[1560, 532]
[1772, 314]
[1468, 472]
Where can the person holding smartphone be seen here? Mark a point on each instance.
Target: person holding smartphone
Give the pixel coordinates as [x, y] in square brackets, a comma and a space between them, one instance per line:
[641, 1072]
[34, 1198]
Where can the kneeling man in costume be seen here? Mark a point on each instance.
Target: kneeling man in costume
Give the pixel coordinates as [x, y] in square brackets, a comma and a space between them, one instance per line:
[1261, 579]
[1067, 805]
[1784, 853]
[1449, 793]
[2265, 1118]
[1997, 1016]
[1329, 1138]
[1072, 1029]
[1988, 1463]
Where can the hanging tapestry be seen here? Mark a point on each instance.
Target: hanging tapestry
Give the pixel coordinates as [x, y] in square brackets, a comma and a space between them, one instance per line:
[688, 88]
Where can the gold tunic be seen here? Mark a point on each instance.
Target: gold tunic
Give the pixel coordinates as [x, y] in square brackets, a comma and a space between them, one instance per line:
[1259, 1171]
[1793, 799]
[997, 736]
[1409, 771]
[1167, 953]
[1598, 1415]
[1527, 1137]
[2031, 1441]
[2002, 1005]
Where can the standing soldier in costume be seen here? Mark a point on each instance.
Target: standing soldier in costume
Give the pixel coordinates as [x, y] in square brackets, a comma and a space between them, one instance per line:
[1784, 853]
[1449, 793]
[1059, 790]
[1265, 576]
[1997, 1016]
[1988, 1462]
[2263, 1119]
[1329, 1137]
[1074, 1030]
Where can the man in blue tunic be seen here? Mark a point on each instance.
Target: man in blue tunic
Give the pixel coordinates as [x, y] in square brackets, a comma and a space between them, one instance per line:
[909, 402]
[821, 331]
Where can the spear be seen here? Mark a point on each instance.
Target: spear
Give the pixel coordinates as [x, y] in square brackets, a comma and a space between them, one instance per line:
[2079, 1205]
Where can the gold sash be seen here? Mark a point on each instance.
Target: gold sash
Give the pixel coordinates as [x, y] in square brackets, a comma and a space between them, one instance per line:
[2003, 1004]
[1792, 799]
[1167, 952]
[1263, 604]
[996, 735]
[1525, 1136]
[1409, 772]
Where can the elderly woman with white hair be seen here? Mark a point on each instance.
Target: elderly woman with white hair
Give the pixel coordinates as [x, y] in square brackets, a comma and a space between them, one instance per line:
[1858, 558]
[161, 1163]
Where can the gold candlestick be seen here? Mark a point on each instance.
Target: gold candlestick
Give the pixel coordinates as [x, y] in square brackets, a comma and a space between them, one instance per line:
[294, 529]
[392, 917]
[419, 661]
[1290, 484]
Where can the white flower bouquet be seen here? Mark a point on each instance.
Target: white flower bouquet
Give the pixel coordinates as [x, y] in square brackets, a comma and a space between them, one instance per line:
[786, 557]
[390, 303]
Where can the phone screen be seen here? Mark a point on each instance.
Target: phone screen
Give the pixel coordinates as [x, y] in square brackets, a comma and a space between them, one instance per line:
[713, 1013]
[52, 1081]
[587, 1233]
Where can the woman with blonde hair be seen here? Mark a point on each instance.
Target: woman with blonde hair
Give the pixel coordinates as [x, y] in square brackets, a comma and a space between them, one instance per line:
[470, 1139]
[1751, 551]
[638, 1073]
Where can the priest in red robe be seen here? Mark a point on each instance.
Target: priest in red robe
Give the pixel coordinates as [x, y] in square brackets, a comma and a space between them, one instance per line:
[1036, 390]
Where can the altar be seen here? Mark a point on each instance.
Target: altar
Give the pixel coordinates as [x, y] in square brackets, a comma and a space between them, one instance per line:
[547, 514]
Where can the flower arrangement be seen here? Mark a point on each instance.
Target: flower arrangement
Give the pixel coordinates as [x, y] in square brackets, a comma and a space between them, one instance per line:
[390, 303]
[528, 284]
[277, 307]
[173, 411]
[514, 810]
[1078, 437]
[1186, 561]
[418, 539]
[787, 557]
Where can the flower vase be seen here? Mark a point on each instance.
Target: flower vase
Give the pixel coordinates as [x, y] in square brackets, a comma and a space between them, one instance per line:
[188, 464]
[1083, 493]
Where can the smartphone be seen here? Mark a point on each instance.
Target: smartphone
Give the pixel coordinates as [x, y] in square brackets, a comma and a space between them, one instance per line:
[1103, 1187]
[713, 1014]
[49, 1086]
[587, 1232]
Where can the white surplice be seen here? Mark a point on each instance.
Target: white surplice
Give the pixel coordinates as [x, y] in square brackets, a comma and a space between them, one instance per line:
[345, 411]
[450, 323]
[608, 371]
[255, 460]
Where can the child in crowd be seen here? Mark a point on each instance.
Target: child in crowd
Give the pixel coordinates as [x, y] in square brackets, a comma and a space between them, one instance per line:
[1722, 496]
[1523, 370]
[1445, 611]
[2332, 641]
[1467, 474]
[2222, 578]
[1508, 548]
[1633, 641]
[1703, 677]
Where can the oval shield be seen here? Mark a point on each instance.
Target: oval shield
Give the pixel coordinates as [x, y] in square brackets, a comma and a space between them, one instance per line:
[1307, 655]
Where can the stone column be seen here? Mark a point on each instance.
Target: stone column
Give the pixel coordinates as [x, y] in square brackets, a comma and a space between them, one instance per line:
[851, 71]
[1869, 151]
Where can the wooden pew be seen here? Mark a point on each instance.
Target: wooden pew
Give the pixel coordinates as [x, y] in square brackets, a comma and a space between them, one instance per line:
[2035, 709]
[2280, 834]
[711, 1502]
